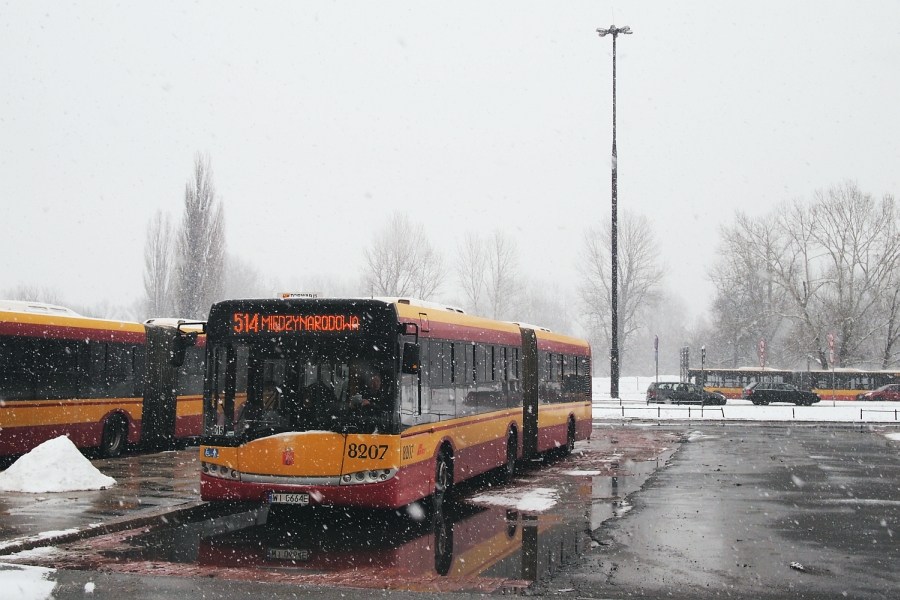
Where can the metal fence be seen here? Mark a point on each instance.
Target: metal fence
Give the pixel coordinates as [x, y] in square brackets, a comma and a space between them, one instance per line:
[824, 414]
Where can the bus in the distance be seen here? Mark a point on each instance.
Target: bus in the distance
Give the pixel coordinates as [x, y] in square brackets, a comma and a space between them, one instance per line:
[838, 384]
[379, 402]
[102, 383]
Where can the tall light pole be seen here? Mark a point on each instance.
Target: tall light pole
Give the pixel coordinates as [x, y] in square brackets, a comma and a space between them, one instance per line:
[614, 350]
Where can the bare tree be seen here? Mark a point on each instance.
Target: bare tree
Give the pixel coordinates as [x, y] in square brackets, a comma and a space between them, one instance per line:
[402, 262]
[545, 304]
[666, 317]
[503, 275]
[640, 274]
[749, 305]
[890, 334]
[829, 265]
[243, 280]
[35, 293]
[470, 267]
[159, 255]
[488, 273]
[858, 237]
[326, 285]
[200, 264]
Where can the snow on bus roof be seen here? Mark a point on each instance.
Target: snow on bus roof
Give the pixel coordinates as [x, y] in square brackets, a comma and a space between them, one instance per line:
[420, 303]
[530, 326]
[434, 306]
[439, 306]
[193, 324]
[41, 308]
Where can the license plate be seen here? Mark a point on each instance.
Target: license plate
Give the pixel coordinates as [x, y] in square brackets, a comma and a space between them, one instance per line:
[287, 554]
[280, 498]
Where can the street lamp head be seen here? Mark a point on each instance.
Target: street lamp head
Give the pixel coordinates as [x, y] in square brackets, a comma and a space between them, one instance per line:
[614, 31]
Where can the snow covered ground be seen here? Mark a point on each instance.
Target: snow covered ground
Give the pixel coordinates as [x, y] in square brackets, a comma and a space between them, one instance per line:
[25, 583]
[632, 404]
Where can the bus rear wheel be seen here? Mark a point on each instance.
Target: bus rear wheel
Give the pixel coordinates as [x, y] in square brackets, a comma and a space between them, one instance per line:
[570, 438]
[443, 479]
[115, 435]
[512, 449]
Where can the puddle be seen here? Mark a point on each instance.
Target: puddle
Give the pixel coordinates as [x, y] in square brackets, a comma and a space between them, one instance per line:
[489, 538]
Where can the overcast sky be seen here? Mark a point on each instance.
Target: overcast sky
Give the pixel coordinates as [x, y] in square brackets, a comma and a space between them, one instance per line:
[321, 118]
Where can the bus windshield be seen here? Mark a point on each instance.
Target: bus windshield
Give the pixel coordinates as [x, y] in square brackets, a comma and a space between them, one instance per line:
[294, 385]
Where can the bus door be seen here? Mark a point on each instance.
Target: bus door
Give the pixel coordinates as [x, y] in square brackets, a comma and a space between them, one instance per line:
[160, 388]
[529, 392]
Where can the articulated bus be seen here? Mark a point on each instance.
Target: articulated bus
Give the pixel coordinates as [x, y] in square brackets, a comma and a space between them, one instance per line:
[102, 383]
[378, 402]
[840, 384]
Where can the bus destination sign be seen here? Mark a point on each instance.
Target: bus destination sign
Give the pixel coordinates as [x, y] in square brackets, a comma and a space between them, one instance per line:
[263, 323]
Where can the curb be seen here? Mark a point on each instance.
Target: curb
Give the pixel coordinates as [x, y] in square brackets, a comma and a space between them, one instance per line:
[164, 517]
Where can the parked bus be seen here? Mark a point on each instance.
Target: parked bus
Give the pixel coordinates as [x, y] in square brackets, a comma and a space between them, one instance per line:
[840, 384]
[378, 402]
[102, 383]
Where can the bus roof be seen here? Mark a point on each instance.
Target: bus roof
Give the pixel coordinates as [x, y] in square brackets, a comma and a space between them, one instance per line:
[65, 325]
[433, 319]
[40, 308]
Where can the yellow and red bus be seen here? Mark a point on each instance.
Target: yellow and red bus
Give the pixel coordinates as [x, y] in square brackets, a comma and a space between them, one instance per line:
[100, 382]
[840, 384]
[379, 402]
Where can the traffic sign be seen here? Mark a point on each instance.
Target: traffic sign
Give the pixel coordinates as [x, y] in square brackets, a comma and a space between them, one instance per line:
[831, 348]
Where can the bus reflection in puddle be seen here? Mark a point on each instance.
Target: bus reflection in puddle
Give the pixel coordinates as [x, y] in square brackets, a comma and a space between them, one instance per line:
[466, 541]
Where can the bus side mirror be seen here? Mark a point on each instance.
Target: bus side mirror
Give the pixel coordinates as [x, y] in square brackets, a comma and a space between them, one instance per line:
[181, 343]
[410, 358]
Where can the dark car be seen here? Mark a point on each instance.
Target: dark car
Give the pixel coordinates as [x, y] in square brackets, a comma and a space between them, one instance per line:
[886, 393]
[762, 392]
[675, 392]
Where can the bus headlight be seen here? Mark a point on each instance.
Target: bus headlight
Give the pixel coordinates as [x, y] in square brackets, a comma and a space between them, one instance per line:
[373, 476]
[220, 471]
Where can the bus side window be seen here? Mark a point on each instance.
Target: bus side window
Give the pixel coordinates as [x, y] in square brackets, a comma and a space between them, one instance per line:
[190, 373]
[16, 377]
[446, 363]
[118, 370]
[98, 384]
[138, 363]
[479, 363]
[426, 349]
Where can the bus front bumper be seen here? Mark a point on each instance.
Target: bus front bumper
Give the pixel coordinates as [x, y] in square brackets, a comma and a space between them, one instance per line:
[387, 494]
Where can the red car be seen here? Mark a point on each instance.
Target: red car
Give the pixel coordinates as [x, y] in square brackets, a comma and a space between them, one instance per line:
[886, 393]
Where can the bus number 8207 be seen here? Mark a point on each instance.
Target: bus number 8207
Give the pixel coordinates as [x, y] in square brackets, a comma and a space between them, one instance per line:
[372, 452]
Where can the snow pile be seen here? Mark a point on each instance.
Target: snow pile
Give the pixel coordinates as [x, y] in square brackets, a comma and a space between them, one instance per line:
[54, 466]
[26, 583]
[893, 436]
[533, 500]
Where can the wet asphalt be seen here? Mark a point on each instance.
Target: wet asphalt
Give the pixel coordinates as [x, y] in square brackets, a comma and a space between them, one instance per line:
[684, 510]
[754, 510]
